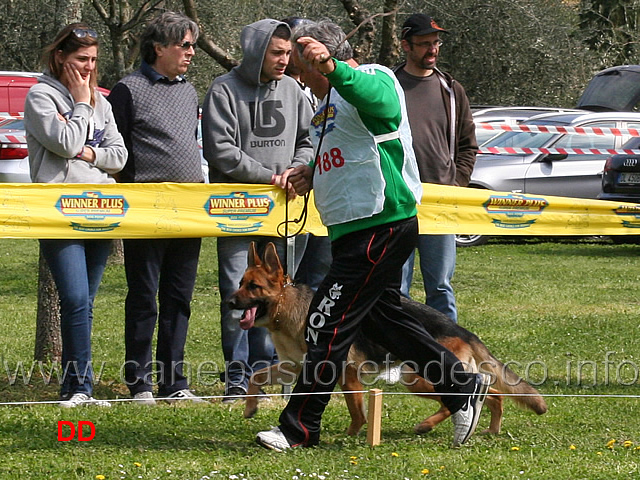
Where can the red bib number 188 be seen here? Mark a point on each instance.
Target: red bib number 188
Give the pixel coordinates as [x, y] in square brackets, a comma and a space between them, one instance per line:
[330, 159]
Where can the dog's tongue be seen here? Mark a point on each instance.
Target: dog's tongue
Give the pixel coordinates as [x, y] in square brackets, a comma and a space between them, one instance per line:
[248, 318]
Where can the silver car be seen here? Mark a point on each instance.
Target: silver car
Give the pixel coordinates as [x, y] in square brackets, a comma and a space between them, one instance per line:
[495, 116]
[14, 157]
[566, 175]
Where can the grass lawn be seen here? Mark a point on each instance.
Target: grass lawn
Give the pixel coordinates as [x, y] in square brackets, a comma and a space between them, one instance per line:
[566, 315]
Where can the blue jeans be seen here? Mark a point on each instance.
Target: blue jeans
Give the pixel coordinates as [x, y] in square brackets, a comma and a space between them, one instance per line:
[315, 262]
[76, 267]
[437, 264]
[244, 350]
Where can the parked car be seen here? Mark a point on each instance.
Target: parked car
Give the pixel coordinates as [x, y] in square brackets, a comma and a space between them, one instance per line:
[14, 87]
[500, 116]
[621, 182]
[13, 90]
[14, 159]
[572, 175]
[613, 89]
[506, 116]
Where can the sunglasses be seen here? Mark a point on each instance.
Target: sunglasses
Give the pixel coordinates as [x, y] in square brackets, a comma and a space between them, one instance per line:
[84, 32]
[187, 45]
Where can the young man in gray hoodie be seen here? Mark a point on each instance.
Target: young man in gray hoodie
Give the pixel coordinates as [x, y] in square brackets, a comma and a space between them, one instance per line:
[254, 129]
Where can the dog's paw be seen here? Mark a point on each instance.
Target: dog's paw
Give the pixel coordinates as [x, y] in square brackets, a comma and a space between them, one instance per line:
[421, 429]
[354, 429]
[250, 411]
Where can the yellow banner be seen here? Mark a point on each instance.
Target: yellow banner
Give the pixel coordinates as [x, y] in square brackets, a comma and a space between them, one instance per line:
[206, 210]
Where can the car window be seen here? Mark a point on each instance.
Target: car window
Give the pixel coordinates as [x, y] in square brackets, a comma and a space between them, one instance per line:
[616, 89]
[13, 125]
[519, 140]
[482, 134]
[524, 139]
[590, 140]
[632, 142]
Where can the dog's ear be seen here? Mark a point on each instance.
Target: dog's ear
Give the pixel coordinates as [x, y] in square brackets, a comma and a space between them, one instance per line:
[271, 259]
[253, 260]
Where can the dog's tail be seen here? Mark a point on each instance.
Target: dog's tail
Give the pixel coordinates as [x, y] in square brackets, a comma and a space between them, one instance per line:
[505, 380]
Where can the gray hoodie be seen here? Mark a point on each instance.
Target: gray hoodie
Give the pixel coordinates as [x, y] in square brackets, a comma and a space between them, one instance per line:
[251, 130]
[54, 143]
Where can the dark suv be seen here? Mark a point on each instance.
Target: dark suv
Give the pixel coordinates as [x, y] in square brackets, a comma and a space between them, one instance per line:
[615, 89]
[621, 183]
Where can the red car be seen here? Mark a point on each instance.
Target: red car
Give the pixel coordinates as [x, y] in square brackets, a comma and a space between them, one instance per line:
[14, 161]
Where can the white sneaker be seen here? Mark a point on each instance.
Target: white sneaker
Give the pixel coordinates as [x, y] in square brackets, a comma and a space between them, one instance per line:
[144, 398]
[83, 399]
[184, 394]
[273, 439]
[466, 419]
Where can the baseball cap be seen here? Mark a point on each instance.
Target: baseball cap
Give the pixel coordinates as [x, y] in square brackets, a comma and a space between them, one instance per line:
[420, 24]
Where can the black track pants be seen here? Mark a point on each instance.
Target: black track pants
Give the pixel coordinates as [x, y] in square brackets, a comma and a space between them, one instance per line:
[361, 291]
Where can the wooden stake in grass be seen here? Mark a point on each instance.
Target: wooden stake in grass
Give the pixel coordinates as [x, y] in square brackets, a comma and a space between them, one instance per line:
[374, 421]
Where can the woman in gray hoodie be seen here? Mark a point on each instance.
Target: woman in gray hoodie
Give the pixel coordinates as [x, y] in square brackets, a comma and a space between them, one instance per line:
[72, 138]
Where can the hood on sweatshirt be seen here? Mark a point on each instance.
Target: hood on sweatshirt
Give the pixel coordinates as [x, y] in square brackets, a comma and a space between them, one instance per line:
[254, 40]
[48, 79]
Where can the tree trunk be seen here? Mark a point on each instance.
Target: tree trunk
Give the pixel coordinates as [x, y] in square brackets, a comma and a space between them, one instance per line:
[205, 42]
[116, 256]
[365, 29]
[390, 45]
[48, 341]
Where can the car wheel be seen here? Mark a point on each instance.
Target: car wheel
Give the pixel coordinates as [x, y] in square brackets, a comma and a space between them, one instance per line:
[471, 240]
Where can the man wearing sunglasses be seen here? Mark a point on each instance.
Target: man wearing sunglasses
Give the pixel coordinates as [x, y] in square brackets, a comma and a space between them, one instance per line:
[156, 110]
[444, 142]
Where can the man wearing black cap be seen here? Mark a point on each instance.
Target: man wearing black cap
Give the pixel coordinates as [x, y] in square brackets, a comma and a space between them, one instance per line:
[445, 145]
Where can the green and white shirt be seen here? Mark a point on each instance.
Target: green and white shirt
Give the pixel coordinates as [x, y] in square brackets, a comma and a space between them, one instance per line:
[365, 173]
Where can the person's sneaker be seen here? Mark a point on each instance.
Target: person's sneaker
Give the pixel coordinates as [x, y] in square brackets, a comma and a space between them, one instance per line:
[466, 419]
[273, 439]
[233, 394]
[184, 394]
[144, 398]
[83, 399]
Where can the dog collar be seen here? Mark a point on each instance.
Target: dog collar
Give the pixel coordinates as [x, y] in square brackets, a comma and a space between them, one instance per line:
[287, 283]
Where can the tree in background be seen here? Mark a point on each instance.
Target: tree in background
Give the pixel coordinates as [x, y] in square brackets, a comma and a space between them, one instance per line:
[522, 52]
[610, 27]
[505, 52]
[122, 18]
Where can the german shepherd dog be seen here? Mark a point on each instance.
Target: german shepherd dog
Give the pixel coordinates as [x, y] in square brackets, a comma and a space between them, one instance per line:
[270, 300]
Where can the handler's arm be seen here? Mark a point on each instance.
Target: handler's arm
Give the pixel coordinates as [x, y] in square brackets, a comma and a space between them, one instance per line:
[371, 91]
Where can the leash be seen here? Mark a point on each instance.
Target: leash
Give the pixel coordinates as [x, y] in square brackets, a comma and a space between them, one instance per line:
[302, 219]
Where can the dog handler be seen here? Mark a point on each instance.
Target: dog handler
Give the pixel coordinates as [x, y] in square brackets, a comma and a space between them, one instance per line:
[366, 187]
